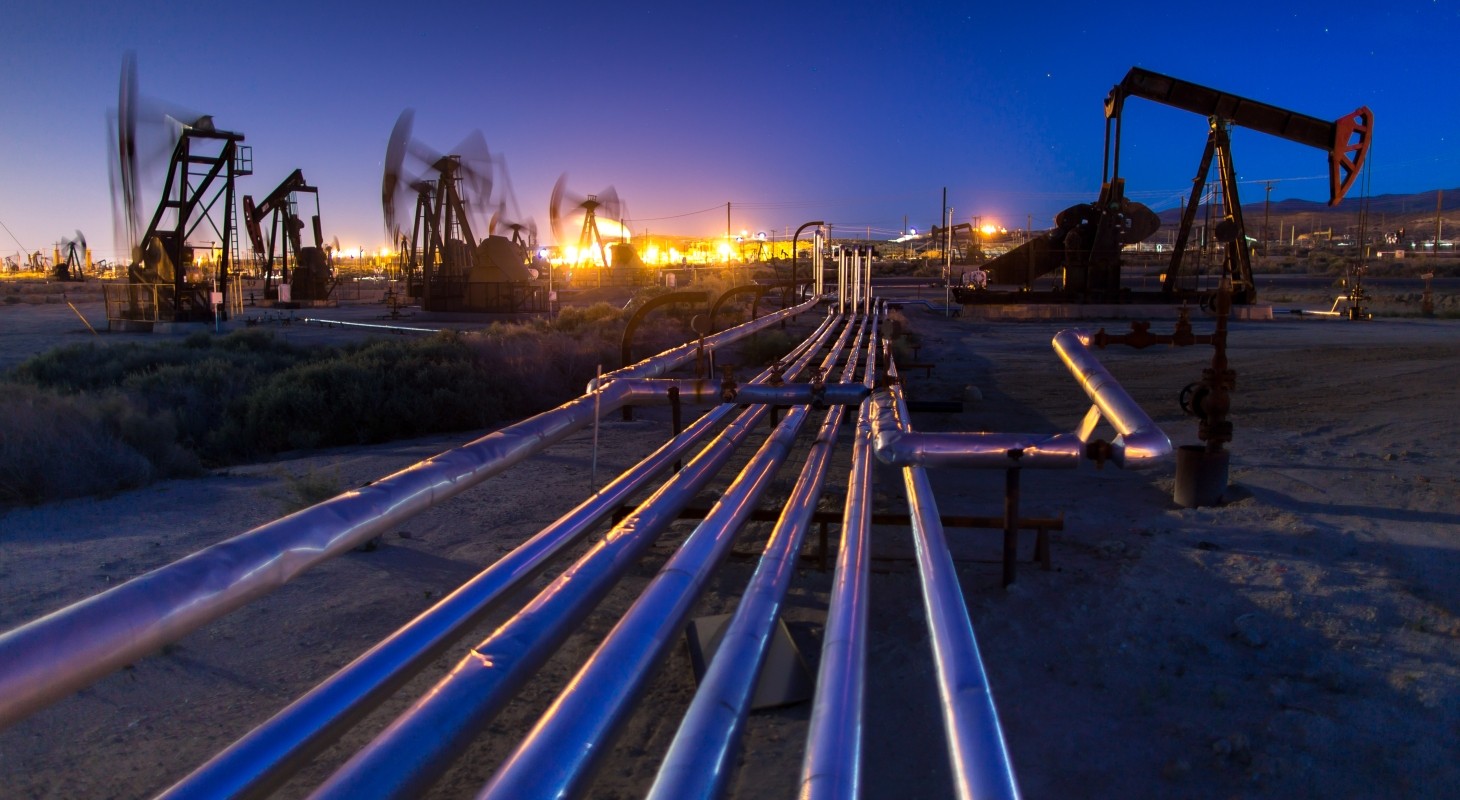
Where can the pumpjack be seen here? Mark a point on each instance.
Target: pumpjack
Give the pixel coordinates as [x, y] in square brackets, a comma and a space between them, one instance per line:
[309, 279]
[445, 264]
[76, 261]
[1087, 239]
[166, 281]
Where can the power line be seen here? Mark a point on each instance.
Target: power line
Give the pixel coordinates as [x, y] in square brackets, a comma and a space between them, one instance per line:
[12, 236]
[678, 216]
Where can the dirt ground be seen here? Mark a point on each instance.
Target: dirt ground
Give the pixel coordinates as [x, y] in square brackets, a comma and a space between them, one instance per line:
[1301, 639]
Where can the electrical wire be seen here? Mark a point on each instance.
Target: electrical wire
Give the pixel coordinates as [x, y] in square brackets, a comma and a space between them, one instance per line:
[23, 248]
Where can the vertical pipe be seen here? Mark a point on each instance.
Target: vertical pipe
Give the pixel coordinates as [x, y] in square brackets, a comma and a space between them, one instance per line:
[841, 282]
[867, 295]
[817, 261]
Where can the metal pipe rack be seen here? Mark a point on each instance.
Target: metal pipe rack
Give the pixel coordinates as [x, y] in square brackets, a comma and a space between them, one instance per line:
[49, 658]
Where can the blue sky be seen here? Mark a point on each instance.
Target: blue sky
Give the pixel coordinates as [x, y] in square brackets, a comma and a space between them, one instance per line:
[789, 111]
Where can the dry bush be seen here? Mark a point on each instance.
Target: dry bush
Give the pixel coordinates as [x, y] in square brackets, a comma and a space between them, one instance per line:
[87, 420]
[54, 447]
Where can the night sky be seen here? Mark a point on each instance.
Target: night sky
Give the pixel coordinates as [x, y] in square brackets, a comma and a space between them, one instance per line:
[790, 112]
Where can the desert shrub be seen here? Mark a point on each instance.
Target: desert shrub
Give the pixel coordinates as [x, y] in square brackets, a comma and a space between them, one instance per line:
[311, 488]
[90, 419]
[54, 447]
[91, 367]
[574, 319]
[382, 390]
[766, 347]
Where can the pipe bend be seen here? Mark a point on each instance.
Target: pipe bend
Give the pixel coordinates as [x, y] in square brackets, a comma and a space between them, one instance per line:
[1140, 448]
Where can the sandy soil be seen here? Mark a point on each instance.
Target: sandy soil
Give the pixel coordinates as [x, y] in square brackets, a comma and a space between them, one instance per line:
[1300, 640]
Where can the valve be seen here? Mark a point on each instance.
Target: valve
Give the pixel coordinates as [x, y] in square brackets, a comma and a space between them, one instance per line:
[728, 387]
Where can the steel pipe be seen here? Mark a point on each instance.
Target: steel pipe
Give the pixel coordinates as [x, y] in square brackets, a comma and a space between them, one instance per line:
[370, 325]
[51, 657]
[679, 356]
[1138, 443]
[702, 755]
[901, 448]
[832, 767]
[262, 760]
[976, 748]
[412, 752]
[557, 757]
[1141, 441]
[792, 394]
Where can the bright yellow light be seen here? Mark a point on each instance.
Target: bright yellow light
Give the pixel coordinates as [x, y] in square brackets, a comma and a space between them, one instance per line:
[674, 256]
[385, 252]
[989, 229]
[570, 254]
[651, 255]
[609, 228]
[725, 250]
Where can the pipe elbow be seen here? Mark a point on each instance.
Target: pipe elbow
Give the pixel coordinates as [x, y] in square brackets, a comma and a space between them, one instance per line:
[1140, 448]
[886, 449]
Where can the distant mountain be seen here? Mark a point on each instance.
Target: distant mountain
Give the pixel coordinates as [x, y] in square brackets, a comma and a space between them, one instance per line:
[1416, 212]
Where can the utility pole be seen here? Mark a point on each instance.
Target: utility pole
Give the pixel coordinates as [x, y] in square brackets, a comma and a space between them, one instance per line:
[727, 220]
[1439, 224]
[1267, 204]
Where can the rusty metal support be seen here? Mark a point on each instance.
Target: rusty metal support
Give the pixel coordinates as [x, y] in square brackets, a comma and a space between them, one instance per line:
[1011, 525]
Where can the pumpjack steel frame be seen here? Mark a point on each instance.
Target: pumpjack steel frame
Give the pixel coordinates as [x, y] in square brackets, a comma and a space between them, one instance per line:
[1346, 140]
[442, 245]
[1088, 238]
[285, 232]
[204, 165]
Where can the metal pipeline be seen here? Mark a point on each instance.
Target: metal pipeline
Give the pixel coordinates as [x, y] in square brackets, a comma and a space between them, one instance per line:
[867, 290]
[266, 757]
[1139, 442]
[687, 352]
[557, 757]
[833, 762]
[980, 759]
[370, 325]
[702, 755]
[410, 754]
[51, 657]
